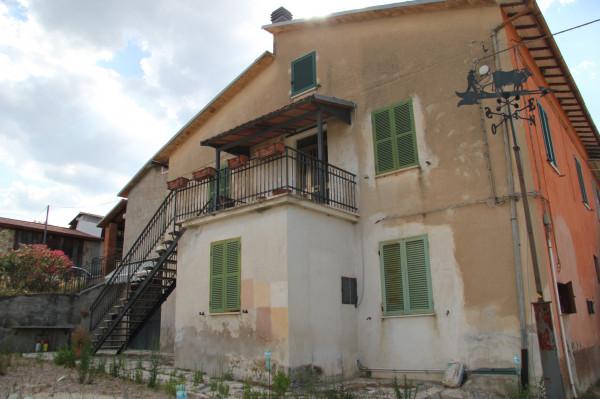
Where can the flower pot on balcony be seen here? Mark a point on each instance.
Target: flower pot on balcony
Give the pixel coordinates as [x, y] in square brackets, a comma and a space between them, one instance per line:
[270, 150]
[204, 173]
[237, 162]
[278, 191]
[178, 183]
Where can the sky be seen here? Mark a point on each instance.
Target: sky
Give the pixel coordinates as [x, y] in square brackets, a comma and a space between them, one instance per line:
[90, 90]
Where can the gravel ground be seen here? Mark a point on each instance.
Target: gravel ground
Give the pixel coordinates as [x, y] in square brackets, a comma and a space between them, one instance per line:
[43, 379]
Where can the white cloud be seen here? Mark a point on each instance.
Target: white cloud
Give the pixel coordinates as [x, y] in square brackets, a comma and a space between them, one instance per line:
[545, 4]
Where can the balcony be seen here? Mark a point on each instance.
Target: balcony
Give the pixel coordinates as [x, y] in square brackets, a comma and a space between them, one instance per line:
[288, 173]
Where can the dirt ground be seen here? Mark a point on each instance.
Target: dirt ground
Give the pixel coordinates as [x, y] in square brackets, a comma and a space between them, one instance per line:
[45, 379]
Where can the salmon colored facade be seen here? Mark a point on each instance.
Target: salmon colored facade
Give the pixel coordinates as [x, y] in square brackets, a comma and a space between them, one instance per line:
[566, 229]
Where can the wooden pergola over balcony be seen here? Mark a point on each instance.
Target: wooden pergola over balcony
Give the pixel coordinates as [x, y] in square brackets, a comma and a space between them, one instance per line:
[297, 117]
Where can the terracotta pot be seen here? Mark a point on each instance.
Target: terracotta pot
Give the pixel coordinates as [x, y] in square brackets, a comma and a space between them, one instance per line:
[270, 150]
[178, 183]
[278, 191]
[237, 162]
[204, 173]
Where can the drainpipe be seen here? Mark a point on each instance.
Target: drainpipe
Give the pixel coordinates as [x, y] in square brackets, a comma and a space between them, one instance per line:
[516, 239]
[559, 311]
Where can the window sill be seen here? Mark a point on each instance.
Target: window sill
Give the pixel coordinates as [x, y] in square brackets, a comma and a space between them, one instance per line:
[397, 171]
[225, 314]
[402, 316]
[304, 92]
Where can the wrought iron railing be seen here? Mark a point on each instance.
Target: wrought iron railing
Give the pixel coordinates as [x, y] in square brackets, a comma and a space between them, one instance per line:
[289, 172]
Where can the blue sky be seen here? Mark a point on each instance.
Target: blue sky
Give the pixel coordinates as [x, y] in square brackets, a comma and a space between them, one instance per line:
[89, 90]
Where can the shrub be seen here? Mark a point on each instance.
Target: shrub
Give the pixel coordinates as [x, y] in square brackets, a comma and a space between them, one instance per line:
[281, 382]
[65, 357]
[33, 268]
[80, 339]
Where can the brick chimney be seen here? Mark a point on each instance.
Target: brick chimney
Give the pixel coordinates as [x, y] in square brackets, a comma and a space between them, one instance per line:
[281, 15]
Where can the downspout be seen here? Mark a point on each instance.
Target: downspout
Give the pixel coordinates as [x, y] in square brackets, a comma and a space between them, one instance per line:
[516, 237]
[561, 322]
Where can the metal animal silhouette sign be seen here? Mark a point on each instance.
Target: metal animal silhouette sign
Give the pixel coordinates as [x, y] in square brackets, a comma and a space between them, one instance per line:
[505, 84]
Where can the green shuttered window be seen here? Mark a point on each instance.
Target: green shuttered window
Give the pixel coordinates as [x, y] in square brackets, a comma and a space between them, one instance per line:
[304, 73]
[406, 279]
[225, 276]
[584, 196]
[547, 135]
[394, 137]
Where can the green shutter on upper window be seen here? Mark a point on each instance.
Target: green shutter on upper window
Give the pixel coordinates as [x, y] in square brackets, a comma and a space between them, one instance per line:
[217, 278]
[232, 276]
[392, 277]
[304, 73]
[417, 270]
[581, 182]
[394, 137]
[384, 148]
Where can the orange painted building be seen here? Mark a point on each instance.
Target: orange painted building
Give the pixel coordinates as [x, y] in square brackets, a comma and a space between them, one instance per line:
[560, 152]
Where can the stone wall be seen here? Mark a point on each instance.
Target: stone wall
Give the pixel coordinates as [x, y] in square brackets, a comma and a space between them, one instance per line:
[26, 318]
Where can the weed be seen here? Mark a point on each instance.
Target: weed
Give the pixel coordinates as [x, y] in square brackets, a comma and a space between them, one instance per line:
[83, 370]
[281, 383]
[223, 389]
[214, 385]
[65, 357]
[101, 366]
[537, 391]
[154, 362]
[408, 390]
[113, 367]
[228, 375]
[138, 373]
[198, 377]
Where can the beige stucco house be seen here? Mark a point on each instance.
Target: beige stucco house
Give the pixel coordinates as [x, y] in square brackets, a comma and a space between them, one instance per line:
[359, 220]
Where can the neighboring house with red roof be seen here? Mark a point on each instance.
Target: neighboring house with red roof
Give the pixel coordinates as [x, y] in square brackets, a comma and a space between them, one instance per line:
[82, 248]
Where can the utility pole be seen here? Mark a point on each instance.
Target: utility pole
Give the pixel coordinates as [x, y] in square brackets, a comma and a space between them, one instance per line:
[46, 224]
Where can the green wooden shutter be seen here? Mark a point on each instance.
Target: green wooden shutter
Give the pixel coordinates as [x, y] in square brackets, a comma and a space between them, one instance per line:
[406, 279]
[406, 143]
[547, 135]
[393, 281]
[394, 137]
[417, 270]
[232, 276]
[384, 151]
[581, 182]
[217, 277]
[304, 73]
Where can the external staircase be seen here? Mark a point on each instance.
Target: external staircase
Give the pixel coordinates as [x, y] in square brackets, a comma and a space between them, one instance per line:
[144, 278]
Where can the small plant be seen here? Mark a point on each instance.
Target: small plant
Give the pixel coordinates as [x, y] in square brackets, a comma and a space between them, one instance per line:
[65, 357]
[214, 385]
[535, 391]
[408, 390]
[80, 339]
[281, 383]
[223, 389]
[228, 375]
[83, 370]
[114, 368]
[198, 377]
[101, 366]
[154, 363]
[138, 373]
